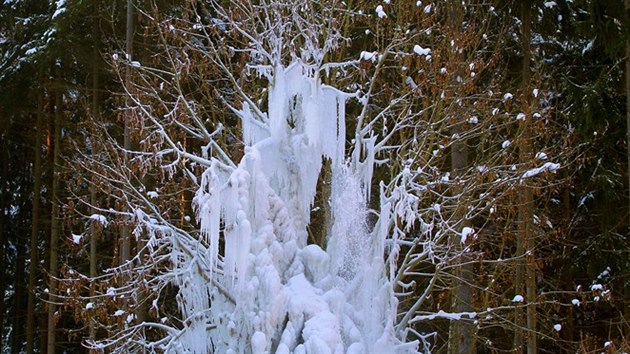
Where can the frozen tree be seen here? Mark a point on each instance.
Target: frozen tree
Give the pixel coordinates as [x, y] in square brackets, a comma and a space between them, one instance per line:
[246, 280]
[233, 117]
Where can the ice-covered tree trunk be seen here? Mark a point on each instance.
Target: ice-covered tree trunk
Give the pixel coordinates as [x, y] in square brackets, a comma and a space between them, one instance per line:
[278, 294]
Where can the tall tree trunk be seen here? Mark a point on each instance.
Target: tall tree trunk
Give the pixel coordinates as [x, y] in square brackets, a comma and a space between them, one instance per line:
[626, 309]
[47, 213]
[125, 248]
[526, 269]
[568, 277]
[3, 204]
[54, 219]
[461, 333]
[93, 255]
[18, 303]
[93, 197]
[34, 265]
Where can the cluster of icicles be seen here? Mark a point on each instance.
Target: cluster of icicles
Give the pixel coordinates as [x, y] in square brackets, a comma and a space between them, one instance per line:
[270, 291]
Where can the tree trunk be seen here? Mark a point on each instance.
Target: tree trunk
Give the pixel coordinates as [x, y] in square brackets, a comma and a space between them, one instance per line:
[34, 265]
[47, 213]
[93, 197]
[54, 219]
[626, 304]
[125, 248]
[93, 254]
[461, 333]
[3, 204]
[526, 238]
[17, 335]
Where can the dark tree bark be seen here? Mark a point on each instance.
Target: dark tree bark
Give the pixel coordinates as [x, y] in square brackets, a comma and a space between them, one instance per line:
[34, 242]
[96, 117]
[461, 333]
[626, 305]
[125, 247]
[3, 205]
[54, 218]
[526, 268]
[19, 304]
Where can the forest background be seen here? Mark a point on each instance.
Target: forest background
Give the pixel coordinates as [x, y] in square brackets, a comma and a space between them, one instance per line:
[514, 115]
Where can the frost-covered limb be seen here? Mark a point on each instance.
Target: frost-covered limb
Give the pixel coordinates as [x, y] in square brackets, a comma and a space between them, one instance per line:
[162, 132]
[326, 67]
[409, 315]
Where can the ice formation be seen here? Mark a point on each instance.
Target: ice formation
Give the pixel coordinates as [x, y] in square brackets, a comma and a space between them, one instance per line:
[269, 291]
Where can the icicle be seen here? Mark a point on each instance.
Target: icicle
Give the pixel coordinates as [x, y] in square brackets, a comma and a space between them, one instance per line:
[368, 165]
[328, 123]
[253, 130]
[278, 106]
[341, 131]
[209, 214]
[242, 241]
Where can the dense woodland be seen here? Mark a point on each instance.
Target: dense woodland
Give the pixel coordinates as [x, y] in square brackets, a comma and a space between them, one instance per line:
[495, 130]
